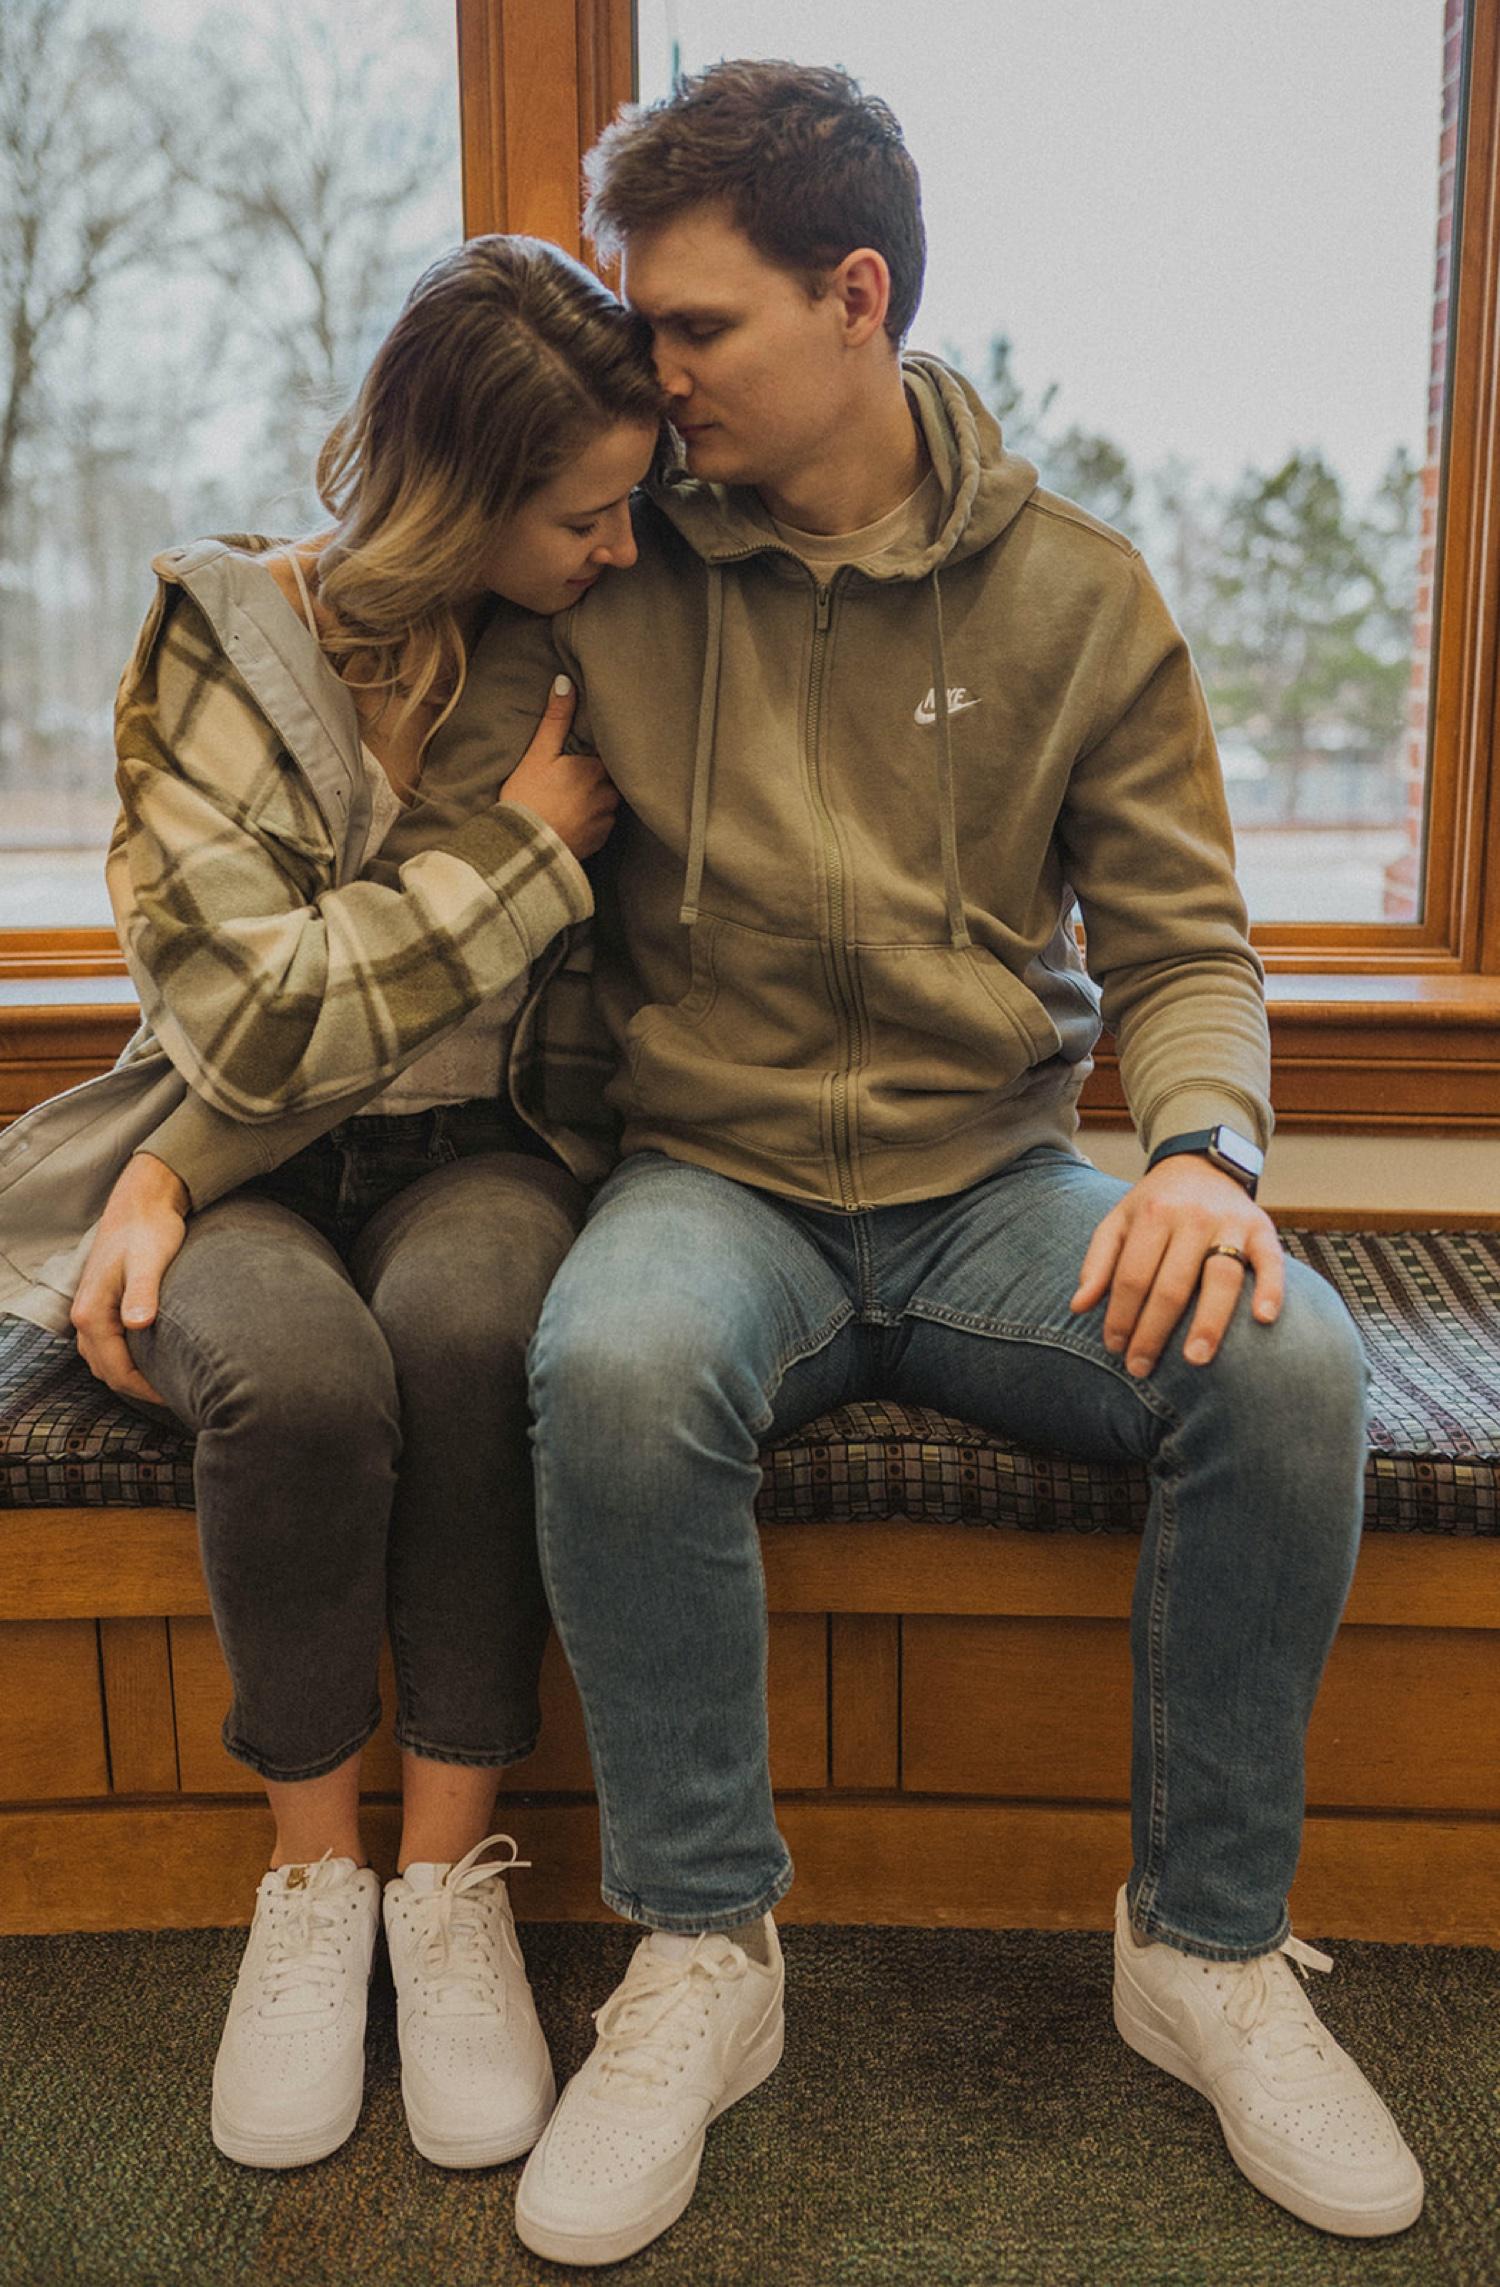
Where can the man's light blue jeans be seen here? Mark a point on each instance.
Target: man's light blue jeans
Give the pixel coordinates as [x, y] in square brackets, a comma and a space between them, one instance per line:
[697, 1319]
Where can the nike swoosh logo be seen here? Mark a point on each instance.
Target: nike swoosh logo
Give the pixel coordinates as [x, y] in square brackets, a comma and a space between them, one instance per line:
[927, 711]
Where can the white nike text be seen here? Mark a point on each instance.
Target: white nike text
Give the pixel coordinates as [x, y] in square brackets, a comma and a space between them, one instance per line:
[958, 700]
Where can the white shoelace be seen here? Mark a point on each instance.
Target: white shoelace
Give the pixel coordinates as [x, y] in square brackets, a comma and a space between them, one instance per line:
[304, 1966]
[1269, 2004]
[453, 1941]
[646, 2026]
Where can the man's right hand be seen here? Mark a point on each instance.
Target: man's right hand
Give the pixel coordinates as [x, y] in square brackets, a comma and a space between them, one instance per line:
[142, 1227]
[570, 791]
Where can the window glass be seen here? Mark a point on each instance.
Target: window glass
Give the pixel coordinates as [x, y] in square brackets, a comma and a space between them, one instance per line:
[208, 217]
[1197, 260]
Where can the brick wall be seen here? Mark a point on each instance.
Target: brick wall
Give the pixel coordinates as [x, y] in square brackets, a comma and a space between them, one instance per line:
[1403, 880]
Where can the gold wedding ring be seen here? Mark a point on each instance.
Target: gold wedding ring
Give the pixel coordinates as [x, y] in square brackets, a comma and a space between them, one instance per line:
[1235, 1254]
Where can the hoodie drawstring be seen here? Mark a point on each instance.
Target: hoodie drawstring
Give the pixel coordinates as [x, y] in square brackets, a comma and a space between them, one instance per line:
[953, 896]
[708, 711]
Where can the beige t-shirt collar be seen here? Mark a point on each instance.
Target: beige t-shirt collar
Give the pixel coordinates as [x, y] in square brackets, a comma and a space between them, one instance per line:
[911, 523]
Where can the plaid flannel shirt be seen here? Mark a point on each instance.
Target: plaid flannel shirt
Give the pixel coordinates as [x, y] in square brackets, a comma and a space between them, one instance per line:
[285, 981]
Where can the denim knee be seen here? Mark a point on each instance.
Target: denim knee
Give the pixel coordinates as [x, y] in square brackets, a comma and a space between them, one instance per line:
[625, 1374]
[312, 1405]
[1310, 1358]
[1281, 1411]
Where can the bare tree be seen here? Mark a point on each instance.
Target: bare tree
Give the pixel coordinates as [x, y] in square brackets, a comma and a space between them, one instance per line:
[82, 187]
[313, 154]
[203, 231]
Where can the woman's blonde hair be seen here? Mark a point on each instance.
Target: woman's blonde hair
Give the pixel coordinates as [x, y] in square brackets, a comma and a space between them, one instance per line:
[508, 356]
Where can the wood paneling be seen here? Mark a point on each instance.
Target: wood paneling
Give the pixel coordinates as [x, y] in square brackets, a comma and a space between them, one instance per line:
[875, 1860]
[1407, 1719]
[605, 39]
[988, 1867]
[539, 73]
[1403, 1578]
[1024, 1709]
[797, 1699]
[45, 1049]
[865, 1699]
[137, 1664]
[128, 1564]
[1013, 1676]
[51, 1712]
[61, 1564]
[1025, 1866]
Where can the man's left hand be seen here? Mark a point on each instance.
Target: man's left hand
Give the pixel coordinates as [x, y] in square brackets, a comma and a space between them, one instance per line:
[1154, 1252]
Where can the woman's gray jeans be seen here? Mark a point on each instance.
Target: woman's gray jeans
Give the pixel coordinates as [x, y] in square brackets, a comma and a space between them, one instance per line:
[347, 1340]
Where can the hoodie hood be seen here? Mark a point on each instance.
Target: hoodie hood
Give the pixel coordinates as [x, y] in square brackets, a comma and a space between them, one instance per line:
[984, 486]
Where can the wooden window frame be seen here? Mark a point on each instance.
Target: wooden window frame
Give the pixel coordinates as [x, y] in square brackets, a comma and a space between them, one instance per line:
[1374, 1026]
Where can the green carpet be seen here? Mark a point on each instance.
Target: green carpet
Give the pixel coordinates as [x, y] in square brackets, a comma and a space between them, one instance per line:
[954, 2110]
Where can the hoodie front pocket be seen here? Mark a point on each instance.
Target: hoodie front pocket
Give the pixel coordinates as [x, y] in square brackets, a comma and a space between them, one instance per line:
[949, 1031]
[679, 1015]
[745, 1050]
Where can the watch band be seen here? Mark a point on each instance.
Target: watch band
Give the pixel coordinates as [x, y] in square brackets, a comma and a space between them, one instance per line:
[1224, 1147]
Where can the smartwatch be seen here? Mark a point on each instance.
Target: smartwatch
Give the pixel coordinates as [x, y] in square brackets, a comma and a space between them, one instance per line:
[1224, 1148]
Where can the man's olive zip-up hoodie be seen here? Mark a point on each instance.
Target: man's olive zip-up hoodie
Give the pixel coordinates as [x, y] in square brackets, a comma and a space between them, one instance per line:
[842, 962]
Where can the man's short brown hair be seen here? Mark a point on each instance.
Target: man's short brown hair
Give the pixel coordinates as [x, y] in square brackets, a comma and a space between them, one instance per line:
[805, 164]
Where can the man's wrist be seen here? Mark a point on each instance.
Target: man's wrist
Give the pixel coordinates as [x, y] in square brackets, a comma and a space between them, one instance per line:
[1223, 1147]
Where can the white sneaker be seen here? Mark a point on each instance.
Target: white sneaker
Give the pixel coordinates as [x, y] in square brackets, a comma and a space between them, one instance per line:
[695, 2025]
[1299, 2117]
[476, 2078]
[290, 2073]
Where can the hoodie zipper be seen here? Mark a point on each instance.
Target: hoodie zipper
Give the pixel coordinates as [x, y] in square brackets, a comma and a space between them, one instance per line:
[846, 993]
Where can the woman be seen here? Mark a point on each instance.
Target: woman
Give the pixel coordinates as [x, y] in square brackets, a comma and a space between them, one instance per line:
[319, 946]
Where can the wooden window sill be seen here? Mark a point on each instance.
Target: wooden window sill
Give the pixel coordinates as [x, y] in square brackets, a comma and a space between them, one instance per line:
[1354, 1053]
[1366, 1054]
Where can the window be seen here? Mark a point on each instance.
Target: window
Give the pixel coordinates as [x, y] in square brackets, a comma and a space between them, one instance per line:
[1377, 1024]
[208, 217]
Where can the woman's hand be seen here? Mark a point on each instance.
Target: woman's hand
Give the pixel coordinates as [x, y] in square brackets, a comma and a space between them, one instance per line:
[141, 1229]
[570, 791]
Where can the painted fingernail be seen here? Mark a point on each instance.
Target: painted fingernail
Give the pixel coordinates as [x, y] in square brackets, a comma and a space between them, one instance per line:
[562, 687]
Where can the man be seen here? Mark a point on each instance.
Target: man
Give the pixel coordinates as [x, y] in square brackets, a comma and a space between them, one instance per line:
[881, 709]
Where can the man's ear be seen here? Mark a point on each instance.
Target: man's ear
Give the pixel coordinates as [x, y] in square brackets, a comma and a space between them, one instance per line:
[862, 286]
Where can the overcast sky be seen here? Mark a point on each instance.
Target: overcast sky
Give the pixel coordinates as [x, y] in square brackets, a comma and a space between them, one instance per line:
[1212, 221]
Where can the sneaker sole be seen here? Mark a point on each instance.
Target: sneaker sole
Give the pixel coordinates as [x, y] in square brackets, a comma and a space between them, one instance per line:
[586, 2248]
[489, 2151]
[254, 2150]
[1373, 2222]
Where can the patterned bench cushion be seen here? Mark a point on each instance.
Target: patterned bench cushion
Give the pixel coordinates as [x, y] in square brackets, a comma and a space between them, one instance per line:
[1427, 1304]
